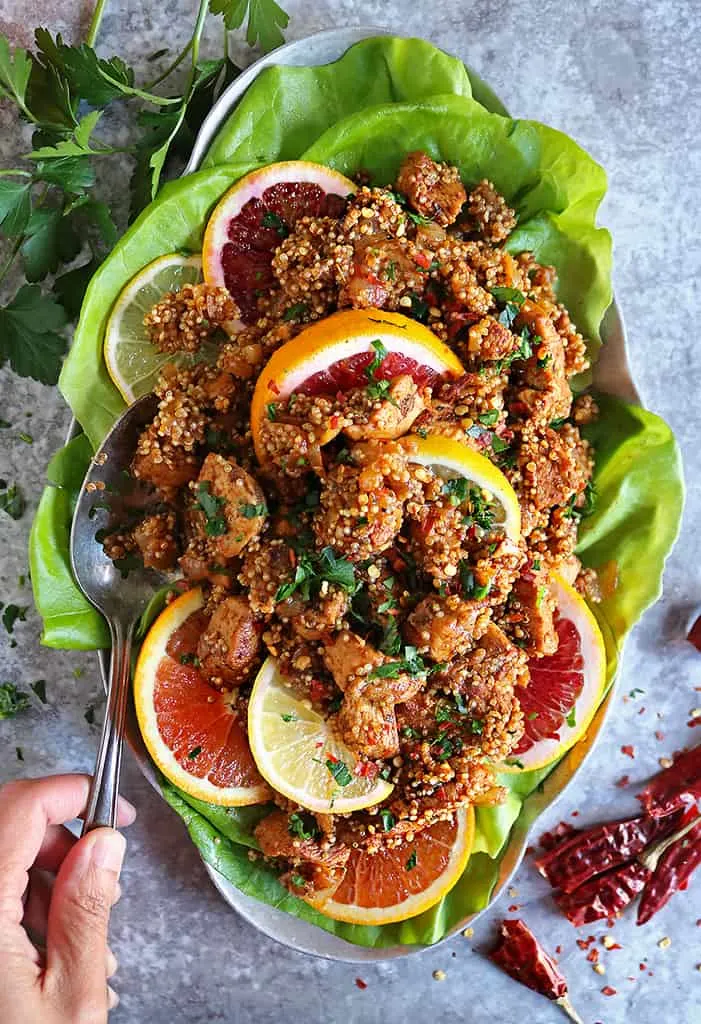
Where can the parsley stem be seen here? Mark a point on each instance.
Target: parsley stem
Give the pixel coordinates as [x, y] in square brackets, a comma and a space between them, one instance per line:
[171, 67]
[11, 258]
[94, 26]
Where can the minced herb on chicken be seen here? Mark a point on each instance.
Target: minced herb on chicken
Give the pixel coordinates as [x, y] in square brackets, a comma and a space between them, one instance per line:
[391, 599]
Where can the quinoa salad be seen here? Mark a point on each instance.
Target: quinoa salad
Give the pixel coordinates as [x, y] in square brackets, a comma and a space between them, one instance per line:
[392, 600]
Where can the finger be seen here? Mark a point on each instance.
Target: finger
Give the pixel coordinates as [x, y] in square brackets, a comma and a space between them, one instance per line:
[76, 947]
[27, 808]
[112, 998]
[36, 905]
[112, 963]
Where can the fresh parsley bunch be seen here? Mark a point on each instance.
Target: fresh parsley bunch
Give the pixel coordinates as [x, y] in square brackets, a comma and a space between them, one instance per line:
[53, 223]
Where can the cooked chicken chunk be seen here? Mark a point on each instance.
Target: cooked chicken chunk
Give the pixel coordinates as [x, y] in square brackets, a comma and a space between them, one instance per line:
[446, 627]
[434, 190]
[230, 509]
[229, 647]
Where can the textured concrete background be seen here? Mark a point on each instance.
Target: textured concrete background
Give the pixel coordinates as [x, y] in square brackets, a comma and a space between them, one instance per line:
[623, 80]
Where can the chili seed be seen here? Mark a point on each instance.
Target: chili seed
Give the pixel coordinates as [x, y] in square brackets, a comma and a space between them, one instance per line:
[439, 975]
[599, 968]
[665, 943]
[468, 933]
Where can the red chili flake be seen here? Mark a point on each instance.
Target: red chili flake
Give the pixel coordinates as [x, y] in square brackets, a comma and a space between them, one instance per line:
[366, 769]
[698, 922]
[642, 711]
[332, 757]
[694, 634]
[530, 850]
[575, 814]
[643, 967]
[558, 949]
[333, 422]
[628, 750]
[694, 721]
[593, 956]
[360, 983]
[273, 387]
[563, 830]
[586, 943]
[676, 787]
[513, 908]
[317, 690]
[615, 945]
[659, 735]
[623, 781]
[608, 991]
[423, 260]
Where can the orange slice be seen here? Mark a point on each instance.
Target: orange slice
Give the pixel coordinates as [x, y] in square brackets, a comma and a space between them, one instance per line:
[333, 355]
[254, 216]
[566, 687]
[396, 884]
[190, 729]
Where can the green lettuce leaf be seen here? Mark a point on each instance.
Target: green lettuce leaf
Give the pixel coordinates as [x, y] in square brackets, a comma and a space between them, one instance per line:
[287, 108]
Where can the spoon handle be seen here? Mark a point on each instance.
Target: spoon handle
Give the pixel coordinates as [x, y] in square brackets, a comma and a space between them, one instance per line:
[102, 802]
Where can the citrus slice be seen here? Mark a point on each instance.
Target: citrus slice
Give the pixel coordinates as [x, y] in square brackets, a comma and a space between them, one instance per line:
[190, 729]
[395, 884]
[254, 216]
[298, 754]
[333, 355]
[451, 460]
[133, 363]
[566, 688]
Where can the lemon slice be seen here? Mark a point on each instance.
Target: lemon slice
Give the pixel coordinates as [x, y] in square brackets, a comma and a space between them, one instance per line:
[132, 361]
[452, 460]
[297, 753]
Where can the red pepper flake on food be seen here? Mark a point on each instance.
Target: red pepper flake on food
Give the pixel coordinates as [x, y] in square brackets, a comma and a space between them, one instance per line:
[513, 908]
[608, 991]
[519, 953]
[694, 634]
[593, 956]
[359, 983]
[659, 735]
[628, 750]
[623, 781]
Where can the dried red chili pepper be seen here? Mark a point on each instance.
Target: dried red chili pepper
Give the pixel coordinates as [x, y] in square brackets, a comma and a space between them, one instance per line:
[519, 953]
[675, 787]
[573, 862]
[672, 864]
[563, 830]
[605, 895]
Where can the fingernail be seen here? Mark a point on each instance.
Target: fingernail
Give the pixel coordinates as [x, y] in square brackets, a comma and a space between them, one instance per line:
[127, 811]
[108, 849]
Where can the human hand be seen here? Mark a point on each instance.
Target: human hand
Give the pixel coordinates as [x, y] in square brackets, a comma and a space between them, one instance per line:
[60, 890]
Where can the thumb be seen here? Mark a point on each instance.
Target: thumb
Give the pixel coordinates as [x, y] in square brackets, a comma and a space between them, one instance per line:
[76, 941]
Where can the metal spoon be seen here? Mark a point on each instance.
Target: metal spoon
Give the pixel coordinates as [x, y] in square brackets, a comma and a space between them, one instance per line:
[107, 493]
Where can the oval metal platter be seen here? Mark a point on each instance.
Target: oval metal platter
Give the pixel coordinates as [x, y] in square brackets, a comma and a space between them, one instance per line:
[611, 374]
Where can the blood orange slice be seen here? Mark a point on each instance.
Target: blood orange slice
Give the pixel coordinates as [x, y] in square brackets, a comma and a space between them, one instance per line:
[334, 354]
[251, 220]
[565, 688]
[396, 884]
[190, 729]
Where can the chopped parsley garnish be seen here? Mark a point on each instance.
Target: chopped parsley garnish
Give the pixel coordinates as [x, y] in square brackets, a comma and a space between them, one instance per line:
[532, 715]
[12, 501]
[477, 726]
[12, 700]
[14, 613]
[289, 716]
[556, 424]
[386, 772]
[195, 752]
[340, 772]
[457, 490]
[387, 819]
[507, 317]
[377, 360]
[489, 418]
[536, 564]
[444, 713]
[419, 308]
[409, 733]
[272, 411]
[418, 218]
[298, 881]
[636, 692]
[506, 295]
[387, 606]
[39, 688]
[499, 445]
[391, 642]
[302, 825]
[296, 311]
[471, 589]
[190, 659]
[312, 569]
[574, 511]
[378, 389]
[412, 663]
[390, 270]
[540, 596]
[411, 863]
[446, 746]
[571, 718]
[460, 491]
[211, 505]
[272, 220]
[252, 511]
[544, 361]
[27, 438]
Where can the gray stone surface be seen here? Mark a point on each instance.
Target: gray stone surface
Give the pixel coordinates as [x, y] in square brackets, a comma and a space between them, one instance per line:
[623, 80]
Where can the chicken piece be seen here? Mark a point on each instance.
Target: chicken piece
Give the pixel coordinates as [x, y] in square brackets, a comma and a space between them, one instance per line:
[163, 465]
[496, 565]
[446, 627]
[349, 658]
[311, 263]
[542, 392]
[492, 217]
[384, 271]
[156, 538]
[229, 648]
[490, 340]
[290, 450]
[321, 864]
[182, 321]
[552, 468]
[367, 726]
[230, 509]
[266, 566]
[315, 620]
[386, 417]
[437, 532]
[356, 521]
[531, 612]
[433, 190]
[456, 406]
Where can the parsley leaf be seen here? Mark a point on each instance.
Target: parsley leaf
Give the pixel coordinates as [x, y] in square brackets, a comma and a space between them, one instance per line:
[28, 338]
[252, 511]
[507, 295]
[211, 505]
[39, 688]
[412, 663]
[411, 863]
[377, 360]
[15, 206]
[12, 700]
[489, 418]
[340, 771]
[387, 819]
[50, 240]
[313, 569]
[265, 20]
[571, 717]
[15, 69]
[12, 501]
[296, 311]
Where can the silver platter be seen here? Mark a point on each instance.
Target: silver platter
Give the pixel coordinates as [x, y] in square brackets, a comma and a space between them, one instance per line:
[611, 374]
